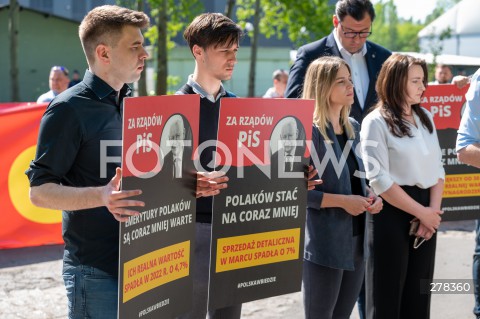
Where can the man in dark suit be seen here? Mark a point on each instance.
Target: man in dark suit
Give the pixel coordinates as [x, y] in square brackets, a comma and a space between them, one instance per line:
[352, 25]
[173, 161]
[176, 178]
[177, 166]
[289, 155]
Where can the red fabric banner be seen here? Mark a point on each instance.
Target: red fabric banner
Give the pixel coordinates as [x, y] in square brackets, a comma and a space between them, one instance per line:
[23, 223]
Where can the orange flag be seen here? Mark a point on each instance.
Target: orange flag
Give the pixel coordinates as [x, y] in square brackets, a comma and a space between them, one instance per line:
[23, 224]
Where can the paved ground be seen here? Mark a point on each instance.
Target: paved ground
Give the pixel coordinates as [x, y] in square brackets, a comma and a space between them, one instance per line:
[31, 286]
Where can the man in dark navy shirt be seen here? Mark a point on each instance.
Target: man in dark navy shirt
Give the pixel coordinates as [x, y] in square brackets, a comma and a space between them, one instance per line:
[76, 168]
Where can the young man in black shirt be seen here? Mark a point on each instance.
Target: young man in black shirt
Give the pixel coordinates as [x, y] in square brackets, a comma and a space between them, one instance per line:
[214, 41]
[76, 168]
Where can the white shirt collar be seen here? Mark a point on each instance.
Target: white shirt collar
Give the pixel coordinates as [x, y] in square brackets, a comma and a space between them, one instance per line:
[342, 50]
[197, 88]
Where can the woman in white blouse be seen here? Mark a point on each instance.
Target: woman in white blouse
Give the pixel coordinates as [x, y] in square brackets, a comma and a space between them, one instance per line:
[403, 163]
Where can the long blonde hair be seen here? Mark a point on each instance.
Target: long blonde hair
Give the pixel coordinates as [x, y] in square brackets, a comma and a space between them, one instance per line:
[319, 80]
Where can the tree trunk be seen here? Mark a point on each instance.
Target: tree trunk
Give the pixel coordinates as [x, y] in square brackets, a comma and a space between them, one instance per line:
[162, 69]
[229, 8]
[253, 55]
[13, 29]
[142, 82]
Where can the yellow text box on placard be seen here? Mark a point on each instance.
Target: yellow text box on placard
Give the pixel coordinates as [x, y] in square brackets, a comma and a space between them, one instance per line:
[461, 185]
[154, 269]
[257, 249]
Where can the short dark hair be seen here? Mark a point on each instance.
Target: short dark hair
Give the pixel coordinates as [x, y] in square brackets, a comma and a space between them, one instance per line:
[354, 8]
[212, 29]
[443, 66]
[105, 24]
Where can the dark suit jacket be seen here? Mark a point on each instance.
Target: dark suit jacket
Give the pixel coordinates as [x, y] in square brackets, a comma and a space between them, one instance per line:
[326, 46]
[329, 233]
[168, 165]
[276, 161]
[162, 187]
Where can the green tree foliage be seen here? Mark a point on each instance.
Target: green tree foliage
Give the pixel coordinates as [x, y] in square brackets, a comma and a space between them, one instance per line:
[303, 21]
[254, 48]
[392, 32]
[13, 28]
[399, 34]
[384, 28]
[229, 8]
[142, 82]
[435, 41]
[402, 35]
[408, 36]
[172, 16]
[169, 17]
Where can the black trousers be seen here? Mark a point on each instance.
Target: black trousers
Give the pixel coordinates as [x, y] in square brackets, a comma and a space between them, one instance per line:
[394, 268]
[200, 280]
[330, 293]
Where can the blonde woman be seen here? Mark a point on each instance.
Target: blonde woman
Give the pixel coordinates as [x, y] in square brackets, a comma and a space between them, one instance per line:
[334, 256]
[405, 168]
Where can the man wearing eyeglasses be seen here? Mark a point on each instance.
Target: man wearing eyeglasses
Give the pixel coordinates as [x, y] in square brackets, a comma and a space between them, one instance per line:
[58, 82]
[352, 24]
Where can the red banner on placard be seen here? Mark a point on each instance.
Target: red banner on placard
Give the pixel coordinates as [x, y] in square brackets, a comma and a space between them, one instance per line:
[24, 224]
[445, 102]
[256, 128]
[146, 141]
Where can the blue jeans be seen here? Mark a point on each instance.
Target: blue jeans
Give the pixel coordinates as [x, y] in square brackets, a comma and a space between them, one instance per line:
[476, 271]
[91, 293]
